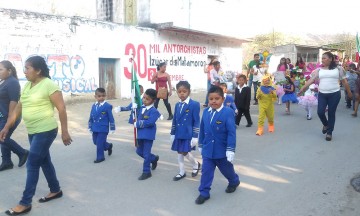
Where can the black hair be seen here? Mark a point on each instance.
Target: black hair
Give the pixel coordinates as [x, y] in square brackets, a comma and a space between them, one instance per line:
[186, 85]
[352, 66]
[301, 61]
[223, 85]
[243, 76]
[140, 86]
[100, 90]
[256, 54]
[290, 81]
[288, 59]
[216, 63]
[286, 65]
[152, 93]
[9, 66]
[39, 63]
[160, 65]
[216, 89]
[333, 64]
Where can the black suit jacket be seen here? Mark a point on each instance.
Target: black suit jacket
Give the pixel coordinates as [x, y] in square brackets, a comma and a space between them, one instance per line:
[242, 100]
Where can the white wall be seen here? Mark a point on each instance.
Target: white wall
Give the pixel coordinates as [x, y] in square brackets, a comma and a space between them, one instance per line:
[73, 52]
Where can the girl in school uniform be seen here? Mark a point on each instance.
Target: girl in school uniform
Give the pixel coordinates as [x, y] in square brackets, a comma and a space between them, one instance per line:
[185, 129]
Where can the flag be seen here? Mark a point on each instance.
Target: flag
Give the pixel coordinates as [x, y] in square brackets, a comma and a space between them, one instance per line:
[357, 42]
[135, 97]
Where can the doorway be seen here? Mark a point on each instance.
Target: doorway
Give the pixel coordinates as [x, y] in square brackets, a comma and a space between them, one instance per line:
[107, 76]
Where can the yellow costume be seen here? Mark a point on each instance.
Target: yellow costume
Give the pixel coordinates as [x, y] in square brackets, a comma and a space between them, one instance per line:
[266, 96]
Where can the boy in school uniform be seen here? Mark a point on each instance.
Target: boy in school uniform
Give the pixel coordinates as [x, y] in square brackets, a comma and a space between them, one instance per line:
[217, 143]
[242, 100]
[129, 107]
[101, 118]
[229, 100]
[146, 132]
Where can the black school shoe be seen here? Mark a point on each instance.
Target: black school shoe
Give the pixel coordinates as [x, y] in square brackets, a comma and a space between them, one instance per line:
[200, 200]
[249, 125]
[110, 149]
[6, 166]
[196, 171]
[145, 176]
[179, 176]
[99, 161]
[232, 189]
[154, 163]
[12, 212]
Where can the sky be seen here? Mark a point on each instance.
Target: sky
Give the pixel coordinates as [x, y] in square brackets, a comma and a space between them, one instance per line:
[240, 18]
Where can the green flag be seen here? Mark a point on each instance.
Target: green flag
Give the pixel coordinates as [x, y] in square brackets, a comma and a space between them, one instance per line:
[135, 89]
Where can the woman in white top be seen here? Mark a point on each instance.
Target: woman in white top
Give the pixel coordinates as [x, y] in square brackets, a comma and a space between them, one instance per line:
[329, 90]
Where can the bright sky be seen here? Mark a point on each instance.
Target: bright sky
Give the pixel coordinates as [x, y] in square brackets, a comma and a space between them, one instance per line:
[300, 16]
[241, 18]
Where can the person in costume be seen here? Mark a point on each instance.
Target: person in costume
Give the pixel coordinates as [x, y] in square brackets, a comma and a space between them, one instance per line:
[229, 100]
[146, 132]
[185, 129]
[302, 81]
[309, 100]
[217, 143]
[289, 95]
[266, 96]
[101, 118]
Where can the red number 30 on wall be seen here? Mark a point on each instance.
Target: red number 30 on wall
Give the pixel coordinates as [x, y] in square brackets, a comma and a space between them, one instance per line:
[140, 60]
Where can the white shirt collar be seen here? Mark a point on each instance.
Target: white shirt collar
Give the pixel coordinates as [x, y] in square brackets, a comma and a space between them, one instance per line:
[100, 103]
[224, 95]
[187, 100]
[239, 87]
[217, 110]
[148, 107]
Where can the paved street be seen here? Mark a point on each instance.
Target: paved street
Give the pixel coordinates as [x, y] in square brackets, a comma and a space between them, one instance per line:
[291, 172]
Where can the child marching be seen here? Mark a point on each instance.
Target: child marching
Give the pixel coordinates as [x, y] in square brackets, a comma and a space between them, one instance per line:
[289, 95]
[217, 143]
[146, 132]
[101, 118]
[185, 129]
[242, 100]
[309, 100]
[229, 100]
[266, 95]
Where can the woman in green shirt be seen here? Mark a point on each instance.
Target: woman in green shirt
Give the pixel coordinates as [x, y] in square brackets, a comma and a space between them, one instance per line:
[36, 105]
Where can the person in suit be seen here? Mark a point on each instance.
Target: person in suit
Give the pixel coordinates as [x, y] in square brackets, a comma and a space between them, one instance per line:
[242, 100]
[129, 107]
[217, 143]
[101, 118]
[228, 98]
[146, 132]
[185, 129]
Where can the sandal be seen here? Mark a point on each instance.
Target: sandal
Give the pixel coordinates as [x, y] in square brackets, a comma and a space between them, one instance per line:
[179, 176]
[196, 171]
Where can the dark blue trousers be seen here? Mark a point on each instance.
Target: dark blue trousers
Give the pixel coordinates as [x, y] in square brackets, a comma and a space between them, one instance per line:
[10, 145]
[331, 100]
[207, 174]
[99, 139]
[144, 151]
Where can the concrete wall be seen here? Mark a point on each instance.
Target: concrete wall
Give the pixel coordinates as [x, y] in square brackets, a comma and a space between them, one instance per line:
[73, 46]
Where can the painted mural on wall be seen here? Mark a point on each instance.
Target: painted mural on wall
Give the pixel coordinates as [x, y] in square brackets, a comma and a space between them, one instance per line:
[67, 71]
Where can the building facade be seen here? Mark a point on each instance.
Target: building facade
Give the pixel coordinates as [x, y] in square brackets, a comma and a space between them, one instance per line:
[84, 54]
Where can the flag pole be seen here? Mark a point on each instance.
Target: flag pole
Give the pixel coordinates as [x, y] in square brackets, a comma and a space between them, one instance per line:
[134, 110]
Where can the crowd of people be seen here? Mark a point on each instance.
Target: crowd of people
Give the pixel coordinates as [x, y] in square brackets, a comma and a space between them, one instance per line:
[213, 134]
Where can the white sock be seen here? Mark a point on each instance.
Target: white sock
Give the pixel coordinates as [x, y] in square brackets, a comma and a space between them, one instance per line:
[181, 164]
[192, 160]
[309, 111]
